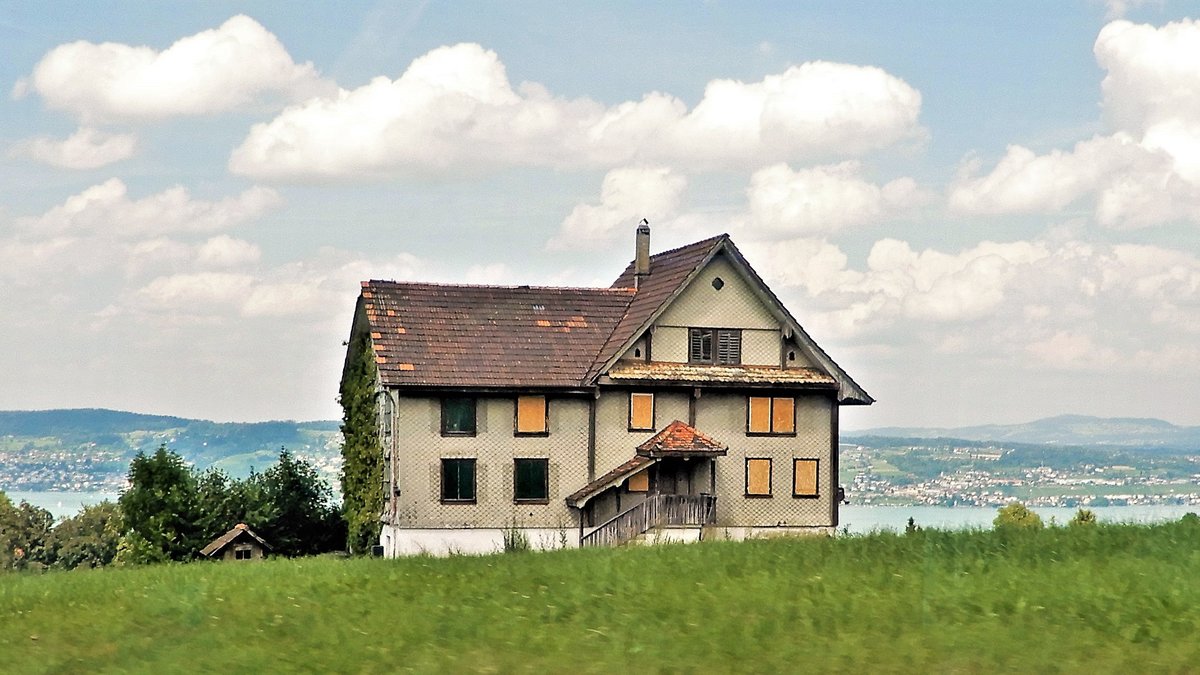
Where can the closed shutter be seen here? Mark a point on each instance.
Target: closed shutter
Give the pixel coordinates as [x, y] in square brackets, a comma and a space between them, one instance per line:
[641, 411]
[531, 414]
[639, 482]
[758, 477]
[783, 415]
[729, 346]
[760, 415]
[805, 481]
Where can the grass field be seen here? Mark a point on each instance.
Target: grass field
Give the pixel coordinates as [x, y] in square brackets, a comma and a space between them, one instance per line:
[1108, 599]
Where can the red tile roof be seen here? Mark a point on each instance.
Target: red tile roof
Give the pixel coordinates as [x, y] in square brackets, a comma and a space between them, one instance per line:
[681, 440]
[488, 336]
[614, 477]
[722, 374]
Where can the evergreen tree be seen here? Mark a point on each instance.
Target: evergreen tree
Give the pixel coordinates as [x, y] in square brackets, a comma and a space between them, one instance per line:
[303, 519]
[362, 452]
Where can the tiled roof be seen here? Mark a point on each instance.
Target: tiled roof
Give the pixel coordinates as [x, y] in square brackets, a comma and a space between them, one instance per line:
[614, 477]
[704, 374]
[679, 440]
[488, 336]
[229, 537]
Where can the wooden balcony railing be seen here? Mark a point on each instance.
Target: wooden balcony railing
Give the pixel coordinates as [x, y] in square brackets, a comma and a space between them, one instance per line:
[655, 511]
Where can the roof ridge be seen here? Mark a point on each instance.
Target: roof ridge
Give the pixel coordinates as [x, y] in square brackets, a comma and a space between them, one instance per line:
[506, 287]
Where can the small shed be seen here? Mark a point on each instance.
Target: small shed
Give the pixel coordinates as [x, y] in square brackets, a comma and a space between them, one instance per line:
[240, 543]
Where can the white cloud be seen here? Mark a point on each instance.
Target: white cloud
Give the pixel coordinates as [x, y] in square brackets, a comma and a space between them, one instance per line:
[225, 251]
[1066, 350]
[1147, 172]
[235, 65]
[87, 148]
[626, 196]
[823, 199]
[455, 109]
[107, 208]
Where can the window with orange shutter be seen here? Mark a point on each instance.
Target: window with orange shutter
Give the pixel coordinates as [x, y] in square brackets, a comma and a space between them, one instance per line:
[531, 416]
[768, 416]
[639, 482]
[758, 477]
[641, 411]
[804, 477]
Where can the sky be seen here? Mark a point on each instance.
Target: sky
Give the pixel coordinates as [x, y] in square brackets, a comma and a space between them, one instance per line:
[985, 212]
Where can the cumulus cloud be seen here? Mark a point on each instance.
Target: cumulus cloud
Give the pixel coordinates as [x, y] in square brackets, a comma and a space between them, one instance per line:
[107, 207]
[235, 65]
[87, 148]
[1146, 173]
[455, 108]
[626, 196]
[823, 199]
[225, 251]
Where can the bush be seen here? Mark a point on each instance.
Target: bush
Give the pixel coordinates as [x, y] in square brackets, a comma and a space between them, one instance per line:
[1083, 518]
[1017, 516]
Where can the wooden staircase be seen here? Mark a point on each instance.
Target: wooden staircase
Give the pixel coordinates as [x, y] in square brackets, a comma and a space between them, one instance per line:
[656, 511]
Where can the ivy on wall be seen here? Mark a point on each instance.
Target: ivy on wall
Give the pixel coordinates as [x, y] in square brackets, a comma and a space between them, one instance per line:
[362, 451]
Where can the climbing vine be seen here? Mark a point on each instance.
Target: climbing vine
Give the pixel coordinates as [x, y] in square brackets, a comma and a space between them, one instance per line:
[362, 451]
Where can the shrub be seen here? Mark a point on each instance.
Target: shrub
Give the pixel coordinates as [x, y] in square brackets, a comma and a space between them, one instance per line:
[1017, 516]
[1083, 518]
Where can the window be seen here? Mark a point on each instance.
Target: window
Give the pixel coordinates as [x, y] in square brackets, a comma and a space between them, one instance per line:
[639, 482]
[531, 480]
[804, 477]
[771, 415]
[458, 480]
[641, 412]
[715, 345]
[458, 417]
[242, 553]
[758, 477]
[532, 413]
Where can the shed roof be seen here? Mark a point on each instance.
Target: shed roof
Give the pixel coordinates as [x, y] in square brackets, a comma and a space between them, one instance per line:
[240, 530]
[721, 374]
[583, 495]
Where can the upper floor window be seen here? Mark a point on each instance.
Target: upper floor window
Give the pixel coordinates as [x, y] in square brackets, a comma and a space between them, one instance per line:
[715, 345]
[458, 416]
[771, 415]
[641, 411]
[532, 415]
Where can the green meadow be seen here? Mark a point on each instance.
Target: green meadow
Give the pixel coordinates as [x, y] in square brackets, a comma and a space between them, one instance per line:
[1106, 599]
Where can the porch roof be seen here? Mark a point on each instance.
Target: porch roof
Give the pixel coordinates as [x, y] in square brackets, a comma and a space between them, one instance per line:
[581, 497]
[685, 373]
[681, 440]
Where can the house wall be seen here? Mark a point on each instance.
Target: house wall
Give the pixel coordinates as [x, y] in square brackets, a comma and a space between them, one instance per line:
[418, 448]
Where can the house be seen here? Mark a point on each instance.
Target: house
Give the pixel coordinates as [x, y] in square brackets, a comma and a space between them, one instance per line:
[240, 543]
[684, 399]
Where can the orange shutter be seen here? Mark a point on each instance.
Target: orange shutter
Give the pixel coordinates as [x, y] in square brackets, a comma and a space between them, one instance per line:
[531, 414]
[641, 411]
[758, 476]
[639, 482]
[783, 415]
[760, 415]
[805, 484]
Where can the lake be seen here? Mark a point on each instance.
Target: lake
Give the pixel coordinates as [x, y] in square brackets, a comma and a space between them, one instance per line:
[857, 518]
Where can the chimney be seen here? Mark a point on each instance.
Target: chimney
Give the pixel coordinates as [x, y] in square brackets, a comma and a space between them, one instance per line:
[641, 260]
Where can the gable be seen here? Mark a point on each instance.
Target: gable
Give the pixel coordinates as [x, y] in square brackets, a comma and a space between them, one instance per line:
[734, 305]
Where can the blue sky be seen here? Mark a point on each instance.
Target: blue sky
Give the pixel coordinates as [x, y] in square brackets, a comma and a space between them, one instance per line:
[987, 212]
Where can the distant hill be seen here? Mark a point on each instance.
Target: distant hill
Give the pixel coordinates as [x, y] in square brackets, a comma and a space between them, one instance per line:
[91, 448]
[1076, 430]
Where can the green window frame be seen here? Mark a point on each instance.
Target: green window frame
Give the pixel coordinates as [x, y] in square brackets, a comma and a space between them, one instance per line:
[458, 416]
[458, 480]
[531, 480]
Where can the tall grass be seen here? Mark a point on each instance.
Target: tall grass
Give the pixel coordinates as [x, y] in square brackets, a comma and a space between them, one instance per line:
[1109, 598]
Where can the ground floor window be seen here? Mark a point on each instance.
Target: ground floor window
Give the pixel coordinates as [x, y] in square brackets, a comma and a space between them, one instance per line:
[458, 480]
[758, 477]
[531, 480]
[804, 478]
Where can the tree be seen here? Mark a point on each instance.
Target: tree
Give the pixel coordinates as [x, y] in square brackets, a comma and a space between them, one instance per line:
[1017, 516]
[303, 518]
[1083, 518]
[362, 451]
[89, 538]
[24, 531]
[160, 509]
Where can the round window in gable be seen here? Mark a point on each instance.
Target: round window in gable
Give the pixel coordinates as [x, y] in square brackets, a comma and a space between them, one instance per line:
[718, 283]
